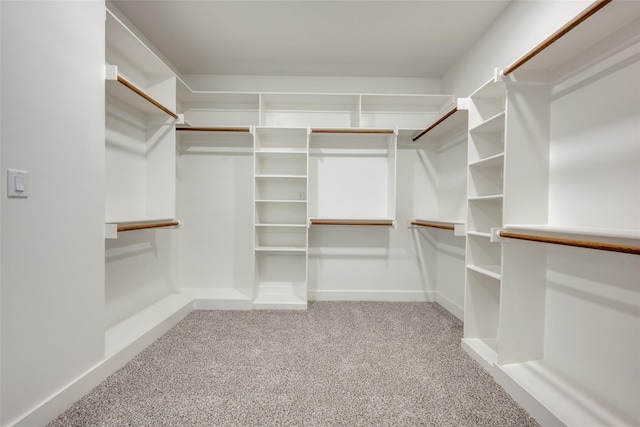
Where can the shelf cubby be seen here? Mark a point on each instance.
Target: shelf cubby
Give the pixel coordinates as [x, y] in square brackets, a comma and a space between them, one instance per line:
[400, 111]
[485, 214]
[481, 323]
[223, 109]
[486, 177]
[293, 238]
[316, 110]
[487, 103]
[484, 255]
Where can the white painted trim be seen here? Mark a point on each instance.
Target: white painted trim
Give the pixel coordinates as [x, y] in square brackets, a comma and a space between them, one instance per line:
[450, 305]
[391, 296]
[533, 406]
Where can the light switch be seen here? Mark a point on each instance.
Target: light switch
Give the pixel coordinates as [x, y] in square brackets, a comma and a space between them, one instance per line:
[17, 183]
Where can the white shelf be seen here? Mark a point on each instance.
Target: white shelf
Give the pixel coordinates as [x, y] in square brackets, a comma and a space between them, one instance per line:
[281, 201]
[280, 150]
[279, 296]
[123, 47]
[486, 198]
[479, 234]
[493, 271]
[494, 124]
[281, 176]
[588, 34]
[495, 161]
[143, 103]
[287, 249]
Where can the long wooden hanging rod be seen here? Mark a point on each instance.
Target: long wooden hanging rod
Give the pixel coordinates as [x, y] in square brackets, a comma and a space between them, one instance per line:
[592, 9]
[437, 122]
[443, 226]
[141, 93]
[213, 129]
[382, 223]
[362, 131]
[148, 225]
[611, 247]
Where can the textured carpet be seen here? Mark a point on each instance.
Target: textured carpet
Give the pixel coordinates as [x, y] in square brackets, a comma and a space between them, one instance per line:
[336, 364]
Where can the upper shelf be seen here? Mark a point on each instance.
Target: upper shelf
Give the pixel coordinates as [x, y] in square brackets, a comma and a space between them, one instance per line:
[127, 92]
[597, 22]
[131, 54]
[453, 120]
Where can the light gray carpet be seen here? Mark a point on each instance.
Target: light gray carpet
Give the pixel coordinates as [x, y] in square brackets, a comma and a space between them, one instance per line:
[336, 364]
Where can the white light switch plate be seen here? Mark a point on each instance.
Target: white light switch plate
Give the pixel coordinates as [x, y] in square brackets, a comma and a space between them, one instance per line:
[17, 184]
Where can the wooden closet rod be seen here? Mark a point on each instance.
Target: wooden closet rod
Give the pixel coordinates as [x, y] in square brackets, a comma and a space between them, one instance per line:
[611, 247]
[140, 92]
[365, 131]
[351, 222]
[433, 225]
[440, 120]
[148, 225]
[214, 129]
[596, 6]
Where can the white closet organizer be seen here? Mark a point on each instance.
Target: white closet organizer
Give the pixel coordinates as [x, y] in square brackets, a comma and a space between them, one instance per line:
[352, 177]
[140, 135]
[485, 193]
[442, 144]
[555, 316]
[280, 195]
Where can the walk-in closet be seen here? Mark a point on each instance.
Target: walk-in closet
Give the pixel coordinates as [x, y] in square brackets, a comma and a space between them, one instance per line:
[502, 185]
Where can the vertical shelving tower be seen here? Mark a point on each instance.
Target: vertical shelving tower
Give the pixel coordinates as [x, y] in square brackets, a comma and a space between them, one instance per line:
[486, 150]
[280, 219]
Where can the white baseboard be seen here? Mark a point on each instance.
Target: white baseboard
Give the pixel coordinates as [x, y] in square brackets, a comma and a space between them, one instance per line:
[533, 406]
[393, 296]
[451, 306]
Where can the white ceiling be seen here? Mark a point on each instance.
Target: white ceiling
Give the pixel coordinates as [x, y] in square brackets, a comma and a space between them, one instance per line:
[312, 38]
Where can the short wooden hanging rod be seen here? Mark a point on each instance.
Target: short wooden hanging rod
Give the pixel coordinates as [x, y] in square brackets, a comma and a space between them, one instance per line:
[141, 93]
[592, 9]
[362, 131]
[214, 129]
[443, 226]
[382, 223]
[611, 247]
[440, 120]
[148, 225]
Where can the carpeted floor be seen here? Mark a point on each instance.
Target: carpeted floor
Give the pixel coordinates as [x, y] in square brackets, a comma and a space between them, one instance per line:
[336, 364]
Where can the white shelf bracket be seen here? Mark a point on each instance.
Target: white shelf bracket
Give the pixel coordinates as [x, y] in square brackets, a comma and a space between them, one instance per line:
[462, 104]
[110, 72]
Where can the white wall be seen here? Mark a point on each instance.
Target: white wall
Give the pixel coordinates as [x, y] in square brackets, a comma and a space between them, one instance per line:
[522, 25]
[52, 271]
